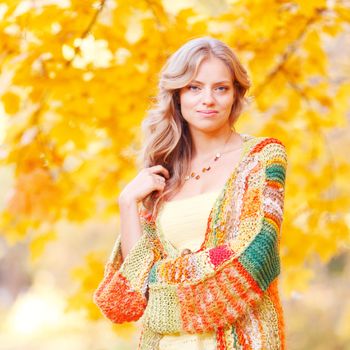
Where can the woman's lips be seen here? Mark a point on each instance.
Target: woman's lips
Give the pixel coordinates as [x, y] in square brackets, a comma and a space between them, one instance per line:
[207, 112]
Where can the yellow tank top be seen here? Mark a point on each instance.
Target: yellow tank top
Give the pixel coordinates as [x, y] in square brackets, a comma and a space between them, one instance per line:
[184, 222]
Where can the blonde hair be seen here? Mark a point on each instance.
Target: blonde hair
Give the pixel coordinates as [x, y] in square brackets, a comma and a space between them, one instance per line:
[166, 133]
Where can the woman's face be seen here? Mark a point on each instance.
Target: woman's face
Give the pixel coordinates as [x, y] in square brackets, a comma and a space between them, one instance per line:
[207, 100]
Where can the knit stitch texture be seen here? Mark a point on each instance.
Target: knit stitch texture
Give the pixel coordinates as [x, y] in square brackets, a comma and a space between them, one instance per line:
[230, 285]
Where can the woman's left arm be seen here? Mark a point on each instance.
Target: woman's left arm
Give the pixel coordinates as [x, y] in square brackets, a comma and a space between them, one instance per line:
[122, 294]
[216, 286]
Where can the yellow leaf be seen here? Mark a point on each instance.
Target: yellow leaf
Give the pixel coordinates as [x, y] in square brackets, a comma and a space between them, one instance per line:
[11, 102]
[38, 244]
[333, 28]
[35, 196]
[310, 7]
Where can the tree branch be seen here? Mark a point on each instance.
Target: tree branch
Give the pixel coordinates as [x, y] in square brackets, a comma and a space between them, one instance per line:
[151, 5]
[87, 30]
[288, 53]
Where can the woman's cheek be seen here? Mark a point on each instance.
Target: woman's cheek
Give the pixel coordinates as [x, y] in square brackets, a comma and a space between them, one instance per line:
[227, 102]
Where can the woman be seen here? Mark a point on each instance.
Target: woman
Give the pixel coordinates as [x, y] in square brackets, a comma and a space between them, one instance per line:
[198, 252]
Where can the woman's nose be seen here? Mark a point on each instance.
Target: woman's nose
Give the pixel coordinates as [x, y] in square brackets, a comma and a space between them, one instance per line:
[207, 97]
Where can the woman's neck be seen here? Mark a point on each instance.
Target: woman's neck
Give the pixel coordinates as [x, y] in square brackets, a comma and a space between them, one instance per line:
[206, 145]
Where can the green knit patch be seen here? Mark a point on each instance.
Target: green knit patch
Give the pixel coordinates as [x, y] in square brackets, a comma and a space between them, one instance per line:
[276, 172]
[261, 258]
[153, 274]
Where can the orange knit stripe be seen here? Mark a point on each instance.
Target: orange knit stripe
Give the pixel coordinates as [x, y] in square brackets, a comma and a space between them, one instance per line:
[226, 302]
[225, 287]
[274, 296]
[273, 220]
[220, 339]
[117, 299]
[242, 339]
[187, 307]
[247, 276]
[263, 143]
[241, 295]
[274, 184]
[252, 203]
[210, 310]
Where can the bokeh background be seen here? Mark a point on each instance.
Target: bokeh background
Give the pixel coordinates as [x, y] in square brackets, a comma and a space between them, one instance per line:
[76, 80]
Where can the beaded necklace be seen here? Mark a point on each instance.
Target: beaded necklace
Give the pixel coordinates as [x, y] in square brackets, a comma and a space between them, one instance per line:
[208, 167]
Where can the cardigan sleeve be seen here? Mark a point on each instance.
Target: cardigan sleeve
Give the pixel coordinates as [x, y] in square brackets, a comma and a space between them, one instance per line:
[215, 287]
[122, 294]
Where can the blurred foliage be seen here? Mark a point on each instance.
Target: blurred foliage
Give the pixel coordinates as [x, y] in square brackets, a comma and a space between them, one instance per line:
[78, 76]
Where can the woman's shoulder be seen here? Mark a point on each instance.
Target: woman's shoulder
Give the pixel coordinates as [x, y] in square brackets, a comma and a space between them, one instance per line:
[260, 143]
[267, 147]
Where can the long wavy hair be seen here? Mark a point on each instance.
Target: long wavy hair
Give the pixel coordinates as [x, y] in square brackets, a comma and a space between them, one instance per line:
[167, 140]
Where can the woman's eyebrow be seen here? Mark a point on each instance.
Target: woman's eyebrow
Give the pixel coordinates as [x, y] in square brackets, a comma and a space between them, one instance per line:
[218, 82]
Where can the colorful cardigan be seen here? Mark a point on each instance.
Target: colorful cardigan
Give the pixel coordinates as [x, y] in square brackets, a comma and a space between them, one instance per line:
[230, 285]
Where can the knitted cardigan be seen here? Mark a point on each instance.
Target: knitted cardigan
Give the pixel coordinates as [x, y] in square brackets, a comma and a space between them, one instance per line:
[230, 285]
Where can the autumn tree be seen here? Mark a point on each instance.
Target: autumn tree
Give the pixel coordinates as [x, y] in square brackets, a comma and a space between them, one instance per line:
[78, 76]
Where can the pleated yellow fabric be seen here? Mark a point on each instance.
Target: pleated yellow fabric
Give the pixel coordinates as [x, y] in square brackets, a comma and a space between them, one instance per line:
[184, 221]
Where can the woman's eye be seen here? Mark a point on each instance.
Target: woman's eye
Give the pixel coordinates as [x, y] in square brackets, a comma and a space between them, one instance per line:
[196, 88]
[223, 88]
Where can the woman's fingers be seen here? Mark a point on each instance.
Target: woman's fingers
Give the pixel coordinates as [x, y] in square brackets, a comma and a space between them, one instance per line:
[160, 169]
[159, 181]
[148, 180]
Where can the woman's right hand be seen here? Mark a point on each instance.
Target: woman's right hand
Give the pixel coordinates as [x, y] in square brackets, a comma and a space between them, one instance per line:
[146, 181]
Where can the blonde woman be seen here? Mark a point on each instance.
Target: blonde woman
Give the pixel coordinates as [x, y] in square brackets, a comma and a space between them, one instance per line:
[197, 258]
